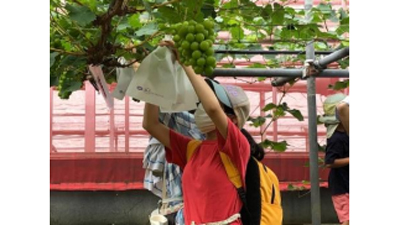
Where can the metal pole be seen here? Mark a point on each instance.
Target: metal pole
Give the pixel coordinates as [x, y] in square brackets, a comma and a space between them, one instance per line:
[325, 73]
[267, 52]
[257, 72]
[322, 63]
[90, 118]
[312, 135]
[51, 119]
[127, 123]
[288, 73]
[280, 81]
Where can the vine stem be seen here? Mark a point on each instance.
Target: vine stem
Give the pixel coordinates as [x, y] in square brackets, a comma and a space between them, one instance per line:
[154, 35]
[274, 118]
[66, 52]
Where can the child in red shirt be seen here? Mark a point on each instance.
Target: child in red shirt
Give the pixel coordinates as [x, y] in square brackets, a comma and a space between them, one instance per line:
[209, 195]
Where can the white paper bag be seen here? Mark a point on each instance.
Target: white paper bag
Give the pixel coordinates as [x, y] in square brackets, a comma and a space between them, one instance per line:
[154, 81]
[124, 78]
[186, 96]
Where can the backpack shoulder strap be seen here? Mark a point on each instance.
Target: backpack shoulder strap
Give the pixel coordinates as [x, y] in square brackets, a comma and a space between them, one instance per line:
[191, 148]
[231, 170]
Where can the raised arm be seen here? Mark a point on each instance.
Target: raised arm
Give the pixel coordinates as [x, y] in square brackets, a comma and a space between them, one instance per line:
[209, 100]
[152, 124]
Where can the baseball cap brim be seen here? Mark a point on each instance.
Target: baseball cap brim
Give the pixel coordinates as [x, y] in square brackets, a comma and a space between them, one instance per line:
[220, 93]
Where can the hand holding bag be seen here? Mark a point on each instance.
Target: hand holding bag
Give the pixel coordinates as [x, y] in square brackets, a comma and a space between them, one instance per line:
[154, 81]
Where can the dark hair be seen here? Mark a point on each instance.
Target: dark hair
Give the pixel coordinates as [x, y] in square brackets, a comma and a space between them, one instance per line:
[255, 149]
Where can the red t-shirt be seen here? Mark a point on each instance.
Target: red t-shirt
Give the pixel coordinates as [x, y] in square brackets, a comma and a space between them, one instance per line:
[208, 194]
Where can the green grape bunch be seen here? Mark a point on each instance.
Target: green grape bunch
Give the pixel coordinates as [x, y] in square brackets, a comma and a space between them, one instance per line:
[194, 41]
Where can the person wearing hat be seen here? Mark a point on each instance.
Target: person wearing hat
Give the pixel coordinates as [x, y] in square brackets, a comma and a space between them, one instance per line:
[337, 157]
[209, 196]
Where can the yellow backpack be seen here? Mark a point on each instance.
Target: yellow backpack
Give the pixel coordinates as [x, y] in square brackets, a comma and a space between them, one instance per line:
[262, 199]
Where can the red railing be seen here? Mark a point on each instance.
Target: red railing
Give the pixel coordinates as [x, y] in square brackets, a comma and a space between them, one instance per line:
[85, 124]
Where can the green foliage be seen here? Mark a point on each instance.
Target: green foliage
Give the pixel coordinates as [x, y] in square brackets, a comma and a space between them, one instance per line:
[339, 85]
[88, 32]
[280, 110]
[80, 14]
[147, 29]
[258, 121]
[276, 146]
